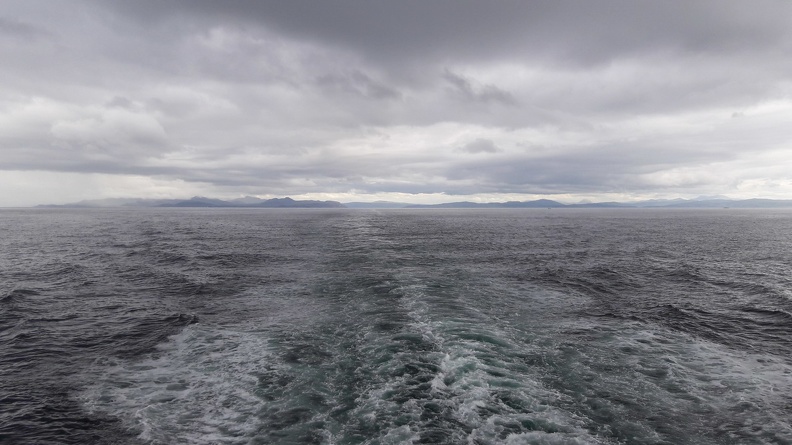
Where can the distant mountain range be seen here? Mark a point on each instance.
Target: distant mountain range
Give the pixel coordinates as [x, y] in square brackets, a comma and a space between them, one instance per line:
[253, 202]
[200, 201]
[655, 203]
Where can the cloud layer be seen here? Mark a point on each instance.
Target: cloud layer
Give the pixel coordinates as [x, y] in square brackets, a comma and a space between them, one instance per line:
[409, 100]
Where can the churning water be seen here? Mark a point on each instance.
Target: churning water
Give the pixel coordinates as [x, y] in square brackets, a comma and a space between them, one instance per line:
[394, 327]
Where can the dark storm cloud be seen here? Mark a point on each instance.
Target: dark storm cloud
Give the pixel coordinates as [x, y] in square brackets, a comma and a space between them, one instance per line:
[577, 32]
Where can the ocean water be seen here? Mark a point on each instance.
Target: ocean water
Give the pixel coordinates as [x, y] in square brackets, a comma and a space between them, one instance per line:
[206, 326]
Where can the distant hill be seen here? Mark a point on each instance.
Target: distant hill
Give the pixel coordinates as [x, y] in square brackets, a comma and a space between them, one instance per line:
[377, 205]
[698, 203]
[538, 204]
[200, 201]
[736, 204]
[253, 202]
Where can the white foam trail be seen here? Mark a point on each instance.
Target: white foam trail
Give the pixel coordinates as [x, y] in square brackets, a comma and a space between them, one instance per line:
[200, 388]
[468, 384]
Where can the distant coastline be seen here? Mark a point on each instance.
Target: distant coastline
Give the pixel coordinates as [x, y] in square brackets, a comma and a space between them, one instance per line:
[198, 201]
[253, 202]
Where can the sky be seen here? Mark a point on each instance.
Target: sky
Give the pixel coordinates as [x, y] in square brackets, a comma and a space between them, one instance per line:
[419, 101]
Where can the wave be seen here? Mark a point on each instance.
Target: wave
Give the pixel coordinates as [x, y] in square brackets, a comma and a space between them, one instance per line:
[16, 295]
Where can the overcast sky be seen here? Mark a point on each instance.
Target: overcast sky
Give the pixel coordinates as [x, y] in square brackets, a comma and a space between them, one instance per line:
[408, 100]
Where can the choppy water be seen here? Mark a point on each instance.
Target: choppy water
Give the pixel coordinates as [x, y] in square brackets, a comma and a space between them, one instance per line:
[393, 327]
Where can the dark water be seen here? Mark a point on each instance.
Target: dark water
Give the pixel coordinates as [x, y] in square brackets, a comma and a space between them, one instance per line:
[390, 327]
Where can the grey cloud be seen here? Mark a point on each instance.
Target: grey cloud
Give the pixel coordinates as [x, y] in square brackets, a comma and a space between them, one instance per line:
[20, 30]
[475, 92]
[616, 166]
[120, 102]
[357, 83]
[567, 30]
[480, 146]
[302, 96]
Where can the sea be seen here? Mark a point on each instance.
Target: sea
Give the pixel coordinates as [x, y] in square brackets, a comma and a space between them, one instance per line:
[403, 326]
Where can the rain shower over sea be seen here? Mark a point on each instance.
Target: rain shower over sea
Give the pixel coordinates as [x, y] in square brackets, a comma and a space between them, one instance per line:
[337, 326]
